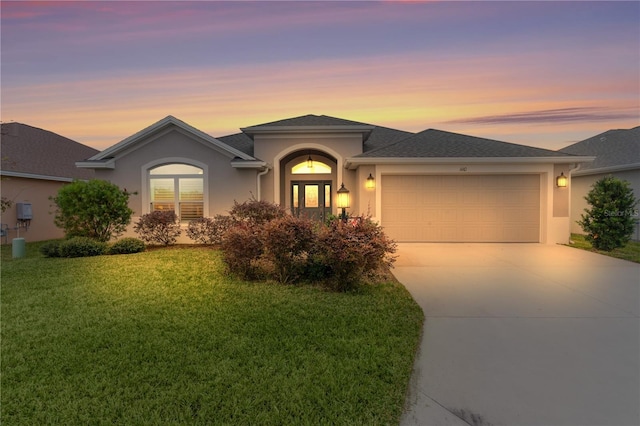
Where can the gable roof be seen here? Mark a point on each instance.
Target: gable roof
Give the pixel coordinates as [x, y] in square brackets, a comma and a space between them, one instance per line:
[40, 154]
[615, 150]
[310, 120]
[105, 159]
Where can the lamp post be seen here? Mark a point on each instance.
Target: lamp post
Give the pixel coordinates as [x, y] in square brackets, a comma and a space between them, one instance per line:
[343, 201]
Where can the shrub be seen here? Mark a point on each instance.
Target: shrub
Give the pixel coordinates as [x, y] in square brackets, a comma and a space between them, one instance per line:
[348, 253]
[82, 247]
[256, 213]
[286, 242]
[610, 221]
[126, 246]
[241, 250]
[209, 231]
[51, 248]
[96, 209]
[158, 227]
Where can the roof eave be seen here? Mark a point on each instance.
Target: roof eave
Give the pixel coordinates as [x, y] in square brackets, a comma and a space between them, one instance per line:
[36, 176]
[611, 169]
[353, 162]
[238, 163]
[269, 130]
[109, 163]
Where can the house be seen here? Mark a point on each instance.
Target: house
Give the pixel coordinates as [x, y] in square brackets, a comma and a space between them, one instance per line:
[35, 165]
[617, 154]
[432, 186]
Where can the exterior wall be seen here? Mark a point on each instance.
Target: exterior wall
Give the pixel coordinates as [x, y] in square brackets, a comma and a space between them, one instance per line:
[273, 148]
[553, 229]
[36, 192]
[581, 185]
[223, 184]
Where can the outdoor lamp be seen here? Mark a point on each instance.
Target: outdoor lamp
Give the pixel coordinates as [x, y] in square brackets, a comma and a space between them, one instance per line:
[343, 201]
[561, 181]
[371, 182]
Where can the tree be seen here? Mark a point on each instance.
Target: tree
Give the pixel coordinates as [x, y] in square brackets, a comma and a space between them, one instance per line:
[610, 221]
[96, 209]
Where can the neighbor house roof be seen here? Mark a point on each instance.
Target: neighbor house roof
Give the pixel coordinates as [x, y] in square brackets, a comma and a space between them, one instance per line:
[615, 150]
[40, 154]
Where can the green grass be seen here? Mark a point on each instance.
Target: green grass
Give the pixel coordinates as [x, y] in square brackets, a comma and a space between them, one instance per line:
[165, 337]
[629, 252]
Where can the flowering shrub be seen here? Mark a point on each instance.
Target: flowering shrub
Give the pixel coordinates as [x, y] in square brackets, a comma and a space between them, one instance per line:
[158, 227]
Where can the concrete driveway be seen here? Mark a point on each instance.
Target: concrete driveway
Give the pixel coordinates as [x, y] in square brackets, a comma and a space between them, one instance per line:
[523, 334]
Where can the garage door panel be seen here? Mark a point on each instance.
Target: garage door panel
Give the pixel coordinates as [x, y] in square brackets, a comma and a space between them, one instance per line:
[486, 208]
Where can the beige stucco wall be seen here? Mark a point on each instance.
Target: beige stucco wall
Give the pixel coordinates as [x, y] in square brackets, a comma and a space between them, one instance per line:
[36, 192]
[273, 148]
[223, 184]
[581, 185]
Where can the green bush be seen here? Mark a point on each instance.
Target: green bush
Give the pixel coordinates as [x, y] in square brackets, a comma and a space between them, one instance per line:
[96, 209]
[51, 248]
[158, 227]
[82, 247]
[126, 246]
[610, 221]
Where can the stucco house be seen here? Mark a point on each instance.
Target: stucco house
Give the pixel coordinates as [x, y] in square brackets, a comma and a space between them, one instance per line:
[35, 165]
[617, 154]
[431, 186]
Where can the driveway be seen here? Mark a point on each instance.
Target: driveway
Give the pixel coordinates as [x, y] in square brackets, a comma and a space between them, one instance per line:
[523, 334]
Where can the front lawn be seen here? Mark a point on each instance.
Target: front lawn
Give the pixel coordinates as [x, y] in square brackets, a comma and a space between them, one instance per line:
[629, 252]
[165, 337]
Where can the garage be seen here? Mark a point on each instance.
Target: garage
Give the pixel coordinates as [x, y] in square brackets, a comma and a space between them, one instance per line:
[461, 208]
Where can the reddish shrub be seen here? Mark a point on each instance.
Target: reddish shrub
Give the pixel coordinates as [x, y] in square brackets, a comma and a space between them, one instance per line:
[158, 227]
[256, 213]
[241, 250]
[287, 241]
[208, 230]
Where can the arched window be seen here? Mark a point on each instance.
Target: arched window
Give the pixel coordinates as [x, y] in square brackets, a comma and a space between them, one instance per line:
[312, 167]
[178, 187]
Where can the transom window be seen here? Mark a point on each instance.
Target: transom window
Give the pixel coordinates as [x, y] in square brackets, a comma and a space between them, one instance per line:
[311, 168]
[178, 187]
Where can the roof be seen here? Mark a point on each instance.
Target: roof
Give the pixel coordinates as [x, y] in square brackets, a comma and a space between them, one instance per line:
[239, 141]
[105, 159]
[310, 120]
[36, 153]
[433, 143]
[614, 150]
[310, 123]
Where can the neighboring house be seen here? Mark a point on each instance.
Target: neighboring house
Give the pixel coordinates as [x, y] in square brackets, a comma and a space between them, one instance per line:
[35, 165]
[617, 154]
[432, 186]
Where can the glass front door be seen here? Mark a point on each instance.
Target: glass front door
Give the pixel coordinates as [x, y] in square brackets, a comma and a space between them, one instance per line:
[311, 199]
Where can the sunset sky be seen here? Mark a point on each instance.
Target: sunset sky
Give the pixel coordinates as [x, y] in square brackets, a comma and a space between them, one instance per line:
[539, 73]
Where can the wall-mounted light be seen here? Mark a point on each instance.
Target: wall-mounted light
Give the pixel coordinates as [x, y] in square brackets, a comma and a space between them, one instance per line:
[343, 201]
[561, 181]
[371, 182]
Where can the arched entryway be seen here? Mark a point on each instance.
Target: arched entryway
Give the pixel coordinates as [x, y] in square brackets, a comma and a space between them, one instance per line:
[307, 183]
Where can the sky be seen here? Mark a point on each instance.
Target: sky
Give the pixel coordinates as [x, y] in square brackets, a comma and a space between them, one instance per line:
[544, 74]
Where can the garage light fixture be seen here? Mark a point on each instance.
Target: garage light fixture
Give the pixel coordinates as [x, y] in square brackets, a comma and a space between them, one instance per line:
[343, 201]
[371, 182]
[561, 181]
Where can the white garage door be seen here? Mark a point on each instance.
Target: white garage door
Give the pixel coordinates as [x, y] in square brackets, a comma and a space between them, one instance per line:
[467, 208]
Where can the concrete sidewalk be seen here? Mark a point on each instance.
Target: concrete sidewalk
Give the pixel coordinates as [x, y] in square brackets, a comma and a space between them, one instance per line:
[523, 334]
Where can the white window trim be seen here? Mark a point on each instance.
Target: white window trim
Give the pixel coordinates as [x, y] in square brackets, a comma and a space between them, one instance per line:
[146, 186]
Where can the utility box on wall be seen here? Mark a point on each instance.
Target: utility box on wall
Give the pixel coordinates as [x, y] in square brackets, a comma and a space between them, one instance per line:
[24, 211]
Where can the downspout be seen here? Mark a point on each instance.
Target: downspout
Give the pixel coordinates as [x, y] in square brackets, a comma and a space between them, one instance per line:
[258, 181]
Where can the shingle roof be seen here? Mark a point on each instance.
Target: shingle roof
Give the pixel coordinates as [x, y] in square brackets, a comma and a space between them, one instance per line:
[34, 151]
[613, 148]
[310, 120]
[440, 144]
[383, 136]
[239, 141]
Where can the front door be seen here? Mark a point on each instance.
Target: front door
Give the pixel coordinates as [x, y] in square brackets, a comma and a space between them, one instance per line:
[311, 199]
